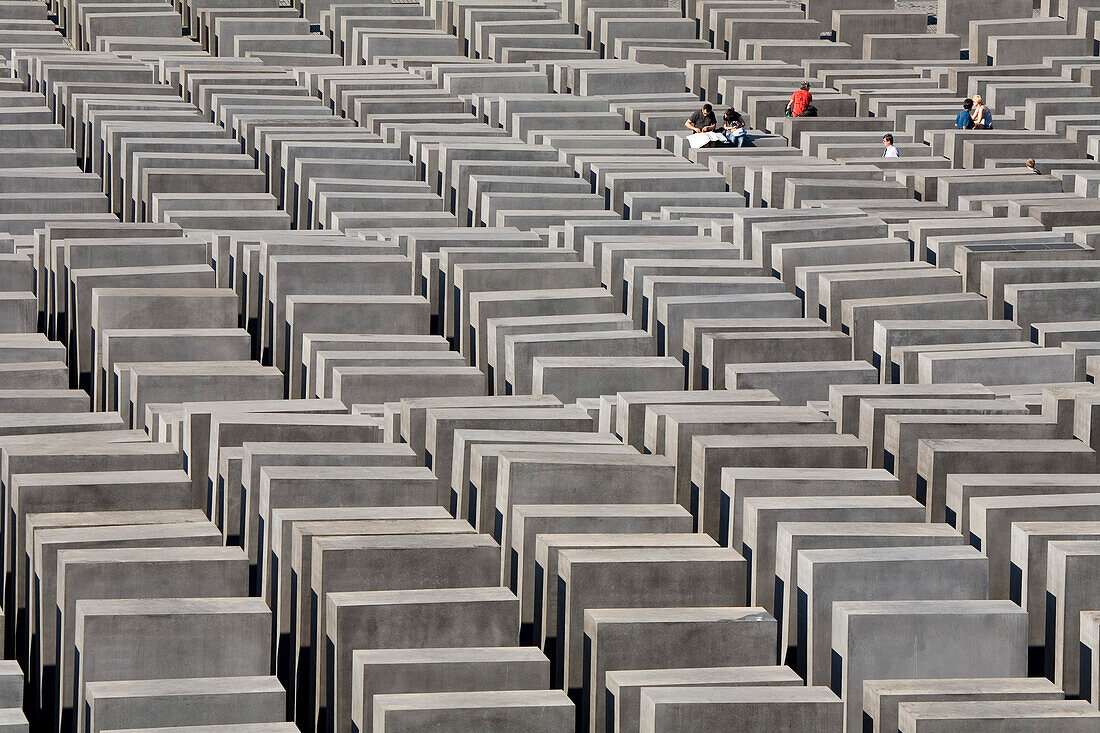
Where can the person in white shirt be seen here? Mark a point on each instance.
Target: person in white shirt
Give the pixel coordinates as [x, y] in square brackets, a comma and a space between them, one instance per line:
[891, 150]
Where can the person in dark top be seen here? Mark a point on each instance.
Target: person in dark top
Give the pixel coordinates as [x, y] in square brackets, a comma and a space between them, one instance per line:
[733, 127]
[800, 100]
[963, 120]
[702, 120]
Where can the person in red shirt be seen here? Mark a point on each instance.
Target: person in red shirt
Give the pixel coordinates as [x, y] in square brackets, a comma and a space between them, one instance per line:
[800, 100]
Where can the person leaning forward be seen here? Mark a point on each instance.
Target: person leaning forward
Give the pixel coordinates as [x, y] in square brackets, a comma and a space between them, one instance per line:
[800, 100]
[733, 127]
[702, 120]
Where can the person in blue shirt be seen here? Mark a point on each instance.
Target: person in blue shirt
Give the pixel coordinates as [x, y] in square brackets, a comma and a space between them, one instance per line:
[964, 120]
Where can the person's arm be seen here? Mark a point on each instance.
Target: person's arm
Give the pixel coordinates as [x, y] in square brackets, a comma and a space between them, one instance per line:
[690, 126]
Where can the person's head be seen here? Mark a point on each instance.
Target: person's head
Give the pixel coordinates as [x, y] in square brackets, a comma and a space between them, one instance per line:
[977, 99]
[968, 104]
[804, 86]
[887, 139]
[1031, 163]
[707, 109]
[730, 115]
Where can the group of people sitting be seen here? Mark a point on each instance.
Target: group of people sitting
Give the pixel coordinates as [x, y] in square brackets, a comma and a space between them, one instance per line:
[732, 127]
[974, 115]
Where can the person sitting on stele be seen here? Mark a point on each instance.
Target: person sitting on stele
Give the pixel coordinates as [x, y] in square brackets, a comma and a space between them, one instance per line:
[800, 100]
[702, 120]
[963, 120]
[980, 114]
[733, 127]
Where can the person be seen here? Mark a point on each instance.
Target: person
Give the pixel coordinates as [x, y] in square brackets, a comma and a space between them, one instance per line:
[702, 120]
[733, 127]
[963, 120]
[891, 150]
[1031, 166]
[980, 114]
[800, 100]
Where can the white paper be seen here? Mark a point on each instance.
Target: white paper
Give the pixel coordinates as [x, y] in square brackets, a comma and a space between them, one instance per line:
[700, 139]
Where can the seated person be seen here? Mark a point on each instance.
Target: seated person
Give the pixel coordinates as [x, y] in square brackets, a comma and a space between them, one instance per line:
[733, 127]
[964, 120]
[980, 114]
[702, 120]
[800, 100]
